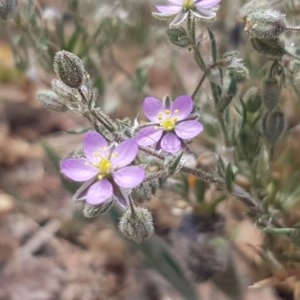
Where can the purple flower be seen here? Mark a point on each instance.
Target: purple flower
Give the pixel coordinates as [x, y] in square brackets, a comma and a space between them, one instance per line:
[180, 9]
[170, 124]
[105, 169]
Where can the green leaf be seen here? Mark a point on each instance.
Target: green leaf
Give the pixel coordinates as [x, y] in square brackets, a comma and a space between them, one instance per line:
[158, 256]
[214, 49]
[229, 177]
[178, 37]
[228, 96]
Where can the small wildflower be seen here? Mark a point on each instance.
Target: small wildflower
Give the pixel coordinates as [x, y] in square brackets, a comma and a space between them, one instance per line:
[180, 9]
[105, 169]
[171, 124]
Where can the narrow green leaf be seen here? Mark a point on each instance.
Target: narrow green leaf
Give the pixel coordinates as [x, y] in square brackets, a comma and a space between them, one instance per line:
[229, 177]
[158, 255]
[214, 49]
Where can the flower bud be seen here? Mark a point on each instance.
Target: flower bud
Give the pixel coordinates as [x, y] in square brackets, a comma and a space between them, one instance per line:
[145, 191]
[271, 47]
[265, 24]
[252, 100]
[92, 211]
[69, 68]
[270, 93]
[51, 101]
[8, 8]
[239, 73]
[136, 225]
[273, 126]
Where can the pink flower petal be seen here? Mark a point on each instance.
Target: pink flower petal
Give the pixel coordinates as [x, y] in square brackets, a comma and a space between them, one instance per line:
[207, 3]
[152, 107]
[170, 143]
[179, 19]
[188, 129]
[99, 192]
[176, 2]
[171, 10]
[124, 153]
[203, 13]
[78, 169]
[93, 141]
[129, 177]
[120, 196]
[149, 135]
[182, 107]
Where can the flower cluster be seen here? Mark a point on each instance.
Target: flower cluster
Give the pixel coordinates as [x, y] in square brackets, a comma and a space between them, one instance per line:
[105, 168]
[179, 10]
[171, 125]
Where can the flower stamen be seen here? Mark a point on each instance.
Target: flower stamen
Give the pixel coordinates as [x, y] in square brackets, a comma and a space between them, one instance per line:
[104, 166]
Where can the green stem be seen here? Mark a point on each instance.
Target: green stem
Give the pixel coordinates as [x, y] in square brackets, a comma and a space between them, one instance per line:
[224, 130]
[199, 84]
[279, 230]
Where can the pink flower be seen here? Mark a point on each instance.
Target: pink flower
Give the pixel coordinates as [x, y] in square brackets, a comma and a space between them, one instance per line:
[170, 125]
[105, 169]
[180, 9]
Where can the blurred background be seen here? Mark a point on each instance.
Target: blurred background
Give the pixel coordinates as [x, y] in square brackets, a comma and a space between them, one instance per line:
[48, 250]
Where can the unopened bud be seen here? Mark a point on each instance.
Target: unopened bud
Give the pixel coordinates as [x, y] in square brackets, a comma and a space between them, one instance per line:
[92, 211]
[252, 100]
[51, 101]
[265, 24]
[271, 47]
[136, 225]
[8, 8]
[69, 68]
[271, 93]
[145, 191]
[239, 73]
[273, 126]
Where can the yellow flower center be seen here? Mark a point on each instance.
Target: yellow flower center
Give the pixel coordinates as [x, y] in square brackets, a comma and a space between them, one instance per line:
[188, 4]
[104, 167]
[167, 122]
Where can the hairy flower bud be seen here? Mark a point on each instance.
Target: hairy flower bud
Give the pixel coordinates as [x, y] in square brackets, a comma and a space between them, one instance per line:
[239, 74]
[69, 68]
[273, 126]
[252, 100]
[51, 101]
[7, 8]
[271, 93]
[136, 225]
[265, 24]
[65, 92]
[271, 47]
[92, 211]
[145, 191]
